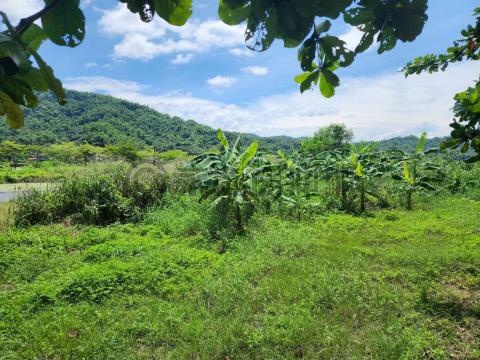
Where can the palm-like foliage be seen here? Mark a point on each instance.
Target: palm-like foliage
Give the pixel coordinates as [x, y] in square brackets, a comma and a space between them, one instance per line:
[293, 191]
[414, 171]
[367, 164]
[228, 177]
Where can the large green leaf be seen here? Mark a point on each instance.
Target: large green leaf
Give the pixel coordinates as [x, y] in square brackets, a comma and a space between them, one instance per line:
[13, 50]
[34, 78]
[406, 174]
[421, 143]
[175, 12]
[263, 28]
[248, 155]
[408, 19]
[233, 15]
[20, 92]
[11, 111]
[365, 42]
[293, 27]
[64, 24]
[34, 36]
[307, 79]
[223, 140]
[326, 88]
[53, 83]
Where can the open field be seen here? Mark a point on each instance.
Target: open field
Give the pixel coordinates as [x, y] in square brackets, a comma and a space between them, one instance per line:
[42, 173]
[397, 284]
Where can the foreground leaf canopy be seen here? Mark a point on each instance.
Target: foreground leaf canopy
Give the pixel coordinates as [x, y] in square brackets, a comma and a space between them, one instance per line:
[465, 134]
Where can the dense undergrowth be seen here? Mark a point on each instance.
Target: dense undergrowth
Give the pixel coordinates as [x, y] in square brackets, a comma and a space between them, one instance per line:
[395, 284]
[102, 196]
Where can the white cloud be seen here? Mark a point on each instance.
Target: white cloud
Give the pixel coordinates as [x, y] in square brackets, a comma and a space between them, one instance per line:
[182, 59]
[16, 11]
[137, 46]
[120, 21]
[353, 37]
[222, 81]
[375, 107]
[242, 52]
[102, 84]
[256, 70]
[93, 65]
[144, 41]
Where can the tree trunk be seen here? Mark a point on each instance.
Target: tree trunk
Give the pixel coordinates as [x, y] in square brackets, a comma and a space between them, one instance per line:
[344, 194]
[238, 218]
[362, 197]
[410, 200]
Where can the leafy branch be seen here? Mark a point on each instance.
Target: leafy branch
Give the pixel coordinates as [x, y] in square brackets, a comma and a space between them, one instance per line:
[466, 125]
[25, 23]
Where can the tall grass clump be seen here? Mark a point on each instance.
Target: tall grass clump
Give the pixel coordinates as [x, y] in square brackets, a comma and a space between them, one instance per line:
[6, 214]
[95, 198]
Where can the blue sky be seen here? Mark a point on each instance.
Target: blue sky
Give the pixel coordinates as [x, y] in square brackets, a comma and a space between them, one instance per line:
[204, 72]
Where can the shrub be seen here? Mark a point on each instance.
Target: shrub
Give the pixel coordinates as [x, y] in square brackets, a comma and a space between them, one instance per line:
[93, 198]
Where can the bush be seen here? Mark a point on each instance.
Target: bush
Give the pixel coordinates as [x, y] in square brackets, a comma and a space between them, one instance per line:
[93, 198]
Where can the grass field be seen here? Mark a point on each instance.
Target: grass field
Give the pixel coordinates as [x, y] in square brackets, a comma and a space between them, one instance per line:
[395, 285]
[42, 173]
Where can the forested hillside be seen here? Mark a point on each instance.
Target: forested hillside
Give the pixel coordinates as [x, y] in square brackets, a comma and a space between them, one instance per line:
[408, 143]
[101, 120]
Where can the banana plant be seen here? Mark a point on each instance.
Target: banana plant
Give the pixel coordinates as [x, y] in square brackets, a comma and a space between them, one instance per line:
[414, 171]
[360, 177]
[352, 172]
[334, 167]
[227, 178]
[293, 192]
[367, 164]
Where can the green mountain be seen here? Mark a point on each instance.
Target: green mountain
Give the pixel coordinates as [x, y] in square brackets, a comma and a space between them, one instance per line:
[408, 143]
[101, 120]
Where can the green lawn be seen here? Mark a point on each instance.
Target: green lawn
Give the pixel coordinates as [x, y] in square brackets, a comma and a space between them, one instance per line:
[394, 285]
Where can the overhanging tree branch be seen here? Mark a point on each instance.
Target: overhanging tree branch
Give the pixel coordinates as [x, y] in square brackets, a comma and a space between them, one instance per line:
[25, 23]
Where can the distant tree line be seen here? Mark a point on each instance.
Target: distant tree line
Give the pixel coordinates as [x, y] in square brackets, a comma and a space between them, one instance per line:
[16, 154]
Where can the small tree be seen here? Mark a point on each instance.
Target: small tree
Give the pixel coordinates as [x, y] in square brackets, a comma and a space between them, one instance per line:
[66, 152]
[125, 150]
[228, 177]
[330, 138]
[12, 151]
[413, 169]
[367, 165]
[88, 151]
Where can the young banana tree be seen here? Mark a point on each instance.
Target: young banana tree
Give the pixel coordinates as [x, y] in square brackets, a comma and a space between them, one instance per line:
[293, 191]
[335, 167]
[228, 177]
[367, 164]
[415, 171]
